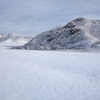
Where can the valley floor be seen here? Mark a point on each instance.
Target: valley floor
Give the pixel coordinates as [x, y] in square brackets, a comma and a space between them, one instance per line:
[49, 75]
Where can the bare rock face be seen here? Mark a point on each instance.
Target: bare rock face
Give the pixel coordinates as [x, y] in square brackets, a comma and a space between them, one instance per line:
[77, 34]
[74, 30]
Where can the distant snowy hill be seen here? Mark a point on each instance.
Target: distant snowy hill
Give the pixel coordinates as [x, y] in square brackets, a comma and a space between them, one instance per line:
[77, 34]
[15, 38]
[1, 35]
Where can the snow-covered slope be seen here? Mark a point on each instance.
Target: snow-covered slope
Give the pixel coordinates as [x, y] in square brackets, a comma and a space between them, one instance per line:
[16, 38]
[77, 34]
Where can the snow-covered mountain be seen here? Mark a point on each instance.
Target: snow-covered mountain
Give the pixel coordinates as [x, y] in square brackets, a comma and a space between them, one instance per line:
[77, 34]
[1, 35]
[16, 38]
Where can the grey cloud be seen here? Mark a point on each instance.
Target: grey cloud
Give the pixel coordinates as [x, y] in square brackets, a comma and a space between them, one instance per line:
[36, 16]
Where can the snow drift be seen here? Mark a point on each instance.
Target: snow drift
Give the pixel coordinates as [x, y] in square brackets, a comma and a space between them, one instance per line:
[77, 34]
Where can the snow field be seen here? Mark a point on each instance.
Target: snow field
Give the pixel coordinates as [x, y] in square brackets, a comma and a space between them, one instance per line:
[49, 75]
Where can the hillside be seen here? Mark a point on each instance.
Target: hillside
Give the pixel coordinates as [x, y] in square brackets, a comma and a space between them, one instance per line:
[77, 34]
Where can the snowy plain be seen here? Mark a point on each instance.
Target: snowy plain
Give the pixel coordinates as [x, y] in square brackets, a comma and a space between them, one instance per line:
[49, 75]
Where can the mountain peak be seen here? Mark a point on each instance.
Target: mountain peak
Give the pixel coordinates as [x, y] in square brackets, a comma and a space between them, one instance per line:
[11, 34]
[1, 35]
[77, 22]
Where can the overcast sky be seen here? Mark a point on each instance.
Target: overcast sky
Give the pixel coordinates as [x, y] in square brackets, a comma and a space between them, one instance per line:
[36, 16]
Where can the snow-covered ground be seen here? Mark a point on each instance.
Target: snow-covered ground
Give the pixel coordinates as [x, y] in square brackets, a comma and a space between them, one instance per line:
[9, 45]
[49, 75]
